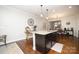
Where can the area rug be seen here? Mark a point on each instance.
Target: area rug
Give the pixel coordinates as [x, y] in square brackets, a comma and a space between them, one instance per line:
[57, 47]
[10, 49]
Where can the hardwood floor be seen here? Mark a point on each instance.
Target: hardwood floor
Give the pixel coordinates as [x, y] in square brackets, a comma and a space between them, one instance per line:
[71, 46]
[26, 46]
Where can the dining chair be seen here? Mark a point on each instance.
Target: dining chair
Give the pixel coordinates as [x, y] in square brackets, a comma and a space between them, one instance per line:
[3, 38]
[28, 33]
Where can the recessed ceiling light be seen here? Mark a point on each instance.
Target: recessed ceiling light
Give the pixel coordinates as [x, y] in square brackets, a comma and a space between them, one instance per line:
[70, 7]
[53, 10]
[47, 18]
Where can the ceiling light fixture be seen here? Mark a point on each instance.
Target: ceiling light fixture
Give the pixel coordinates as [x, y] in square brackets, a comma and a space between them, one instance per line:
[70, 7]
[42, 15]
[47, 14]
[53, 10]
[41, 11]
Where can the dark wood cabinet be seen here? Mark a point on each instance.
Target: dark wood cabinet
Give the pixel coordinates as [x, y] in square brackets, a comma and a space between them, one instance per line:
[44, 42]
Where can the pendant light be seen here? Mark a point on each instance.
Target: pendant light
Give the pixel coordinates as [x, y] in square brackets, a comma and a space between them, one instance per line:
[47, 14]
[41, 11]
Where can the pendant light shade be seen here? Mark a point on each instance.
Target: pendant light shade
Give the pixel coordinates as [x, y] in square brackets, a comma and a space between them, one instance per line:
[47, 14]
[41, 11]
[42, 15]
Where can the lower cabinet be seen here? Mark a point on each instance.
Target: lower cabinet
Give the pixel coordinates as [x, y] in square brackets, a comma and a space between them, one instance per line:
[44, 42]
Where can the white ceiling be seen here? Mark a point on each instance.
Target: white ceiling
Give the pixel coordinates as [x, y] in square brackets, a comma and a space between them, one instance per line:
[60, 10]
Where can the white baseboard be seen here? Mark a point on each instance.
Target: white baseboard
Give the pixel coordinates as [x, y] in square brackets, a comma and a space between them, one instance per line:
[1, 43]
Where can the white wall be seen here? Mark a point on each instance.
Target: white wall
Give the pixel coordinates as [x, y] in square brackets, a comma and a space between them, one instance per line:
[13, 23]
[73, 23]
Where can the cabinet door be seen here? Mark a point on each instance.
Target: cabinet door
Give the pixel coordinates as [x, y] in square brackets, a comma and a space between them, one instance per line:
[48, 41]
[40, 40]
[54, 37]
[40, 43]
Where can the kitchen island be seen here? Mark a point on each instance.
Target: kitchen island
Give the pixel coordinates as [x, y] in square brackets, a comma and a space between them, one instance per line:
[42, 40]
